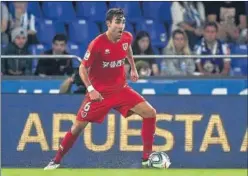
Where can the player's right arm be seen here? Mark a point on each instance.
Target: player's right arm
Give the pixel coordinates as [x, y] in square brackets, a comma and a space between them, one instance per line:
[87, 62]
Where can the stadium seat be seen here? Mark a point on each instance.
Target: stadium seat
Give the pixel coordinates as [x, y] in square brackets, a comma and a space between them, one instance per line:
[129, 28]
[78, 50]
[239, 65]
[61, 11]
[132, 10]
[160, 11]
[45, 31]
[165, 13]
[59, 28]
[33, 8]
[94, 11]
[156, 30]
[36, 50]
[82, 31]
[51, 28]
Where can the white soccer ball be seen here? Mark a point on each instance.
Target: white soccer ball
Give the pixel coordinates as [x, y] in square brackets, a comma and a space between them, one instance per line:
[159, 160]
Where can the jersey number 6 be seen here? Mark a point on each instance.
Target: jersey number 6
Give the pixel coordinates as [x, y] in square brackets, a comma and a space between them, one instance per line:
[87, 107]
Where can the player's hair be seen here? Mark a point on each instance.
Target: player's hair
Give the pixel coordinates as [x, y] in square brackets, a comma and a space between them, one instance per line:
[212, 24]
[60, 37]
[135, 46]
[114, 12]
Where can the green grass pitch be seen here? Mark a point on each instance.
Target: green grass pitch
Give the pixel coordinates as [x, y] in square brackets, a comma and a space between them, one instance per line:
[125, 172]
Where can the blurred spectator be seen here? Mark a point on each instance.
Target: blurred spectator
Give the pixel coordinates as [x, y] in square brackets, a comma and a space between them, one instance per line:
[231, 18]
[189, 16]
[55, 66]
[209, 45]
[66, 86]
[142, 46]
[143, 68]
[178, 45]
[22, 18]
[4, 24]
[18, 46]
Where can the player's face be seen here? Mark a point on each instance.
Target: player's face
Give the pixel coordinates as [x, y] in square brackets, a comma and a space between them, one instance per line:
[144, 43]
[117, 26]
[20, 41]
[179, 41]
[210, 34]
[59, 47]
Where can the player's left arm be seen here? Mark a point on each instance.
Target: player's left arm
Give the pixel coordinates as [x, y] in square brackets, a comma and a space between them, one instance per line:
[130, 58]
[134, 74]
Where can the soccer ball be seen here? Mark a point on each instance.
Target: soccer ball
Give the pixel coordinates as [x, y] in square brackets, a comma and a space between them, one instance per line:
[159, 160]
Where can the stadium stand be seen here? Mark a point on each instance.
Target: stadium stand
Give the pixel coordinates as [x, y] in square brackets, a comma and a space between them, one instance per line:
[49, 27]
[82, 31]
[61, 11]
[77, 50]
[132, 10]
[33, 7]
[94, 11]
[156, 30]
[82, 21]
[36, 50]
[239, 66]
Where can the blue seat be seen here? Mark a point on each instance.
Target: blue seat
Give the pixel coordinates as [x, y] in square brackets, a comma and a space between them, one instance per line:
[33, 8]
[78, 50]
[240, 64]
[36, 50]
[160, 11]
[94, 11]
[61, 11]
[59, 27]
[45, 31]
[132, 10]
[129, 27]
[82, 31]
[156, 31]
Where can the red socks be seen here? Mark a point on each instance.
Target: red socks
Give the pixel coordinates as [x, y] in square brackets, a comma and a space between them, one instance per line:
[65, 146]
[148, 130]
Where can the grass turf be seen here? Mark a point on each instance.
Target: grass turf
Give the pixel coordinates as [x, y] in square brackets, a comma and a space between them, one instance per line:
[124, 172]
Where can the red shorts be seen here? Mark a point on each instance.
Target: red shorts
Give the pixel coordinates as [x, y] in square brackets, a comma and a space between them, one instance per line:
[122, 101]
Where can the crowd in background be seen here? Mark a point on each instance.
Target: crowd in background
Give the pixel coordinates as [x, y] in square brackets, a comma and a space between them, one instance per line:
[208, 28]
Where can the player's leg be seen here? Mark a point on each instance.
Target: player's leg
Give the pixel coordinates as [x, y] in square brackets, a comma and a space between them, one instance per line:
[145, 110]
[88, 112]
[69, 139]
[132, 102]
[67, 142]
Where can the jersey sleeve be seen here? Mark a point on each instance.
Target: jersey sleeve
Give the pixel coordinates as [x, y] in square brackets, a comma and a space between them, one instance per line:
[90, 54]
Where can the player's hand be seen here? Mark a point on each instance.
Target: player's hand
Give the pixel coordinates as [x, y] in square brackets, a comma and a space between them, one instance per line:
[95, 96]
[134, 75]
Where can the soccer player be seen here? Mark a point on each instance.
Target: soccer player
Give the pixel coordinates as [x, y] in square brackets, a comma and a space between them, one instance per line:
[102, 71]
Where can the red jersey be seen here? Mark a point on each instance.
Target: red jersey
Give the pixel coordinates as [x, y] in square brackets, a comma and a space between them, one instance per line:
[105, 61]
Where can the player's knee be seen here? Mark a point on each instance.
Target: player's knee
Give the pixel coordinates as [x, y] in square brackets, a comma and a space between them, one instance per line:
[150, 113]
[77, 127]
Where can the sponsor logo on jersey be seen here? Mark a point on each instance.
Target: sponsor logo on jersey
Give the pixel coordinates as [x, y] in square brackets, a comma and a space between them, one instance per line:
[113, 64]
[87, 55]
[124, 46]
